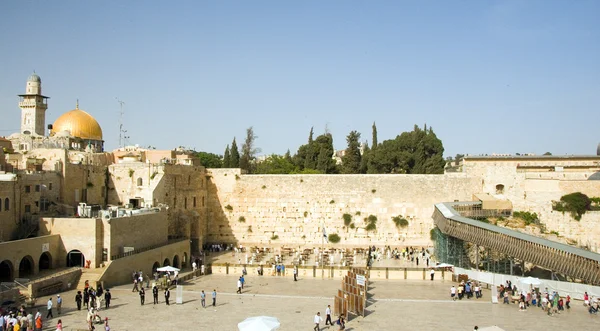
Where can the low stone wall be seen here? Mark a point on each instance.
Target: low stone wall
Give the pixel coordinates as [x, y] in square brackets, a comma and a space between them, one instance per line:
[59, 282]
[334, 272]
[119, 271]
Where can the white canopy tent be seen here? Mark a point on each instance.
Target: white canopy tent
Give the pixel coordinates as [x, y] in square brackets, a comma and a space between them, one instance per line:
[259, 323]
[167, 268]
[530, 281]
[491, 328]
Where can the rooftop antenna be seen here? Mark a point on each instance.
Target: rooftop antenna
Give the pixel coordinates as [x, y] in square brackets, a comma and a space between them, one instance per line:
[121, 113]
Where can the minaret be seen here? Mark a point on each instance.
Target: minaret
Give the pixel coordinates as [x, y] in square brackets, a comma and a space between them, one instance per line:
[33, 107]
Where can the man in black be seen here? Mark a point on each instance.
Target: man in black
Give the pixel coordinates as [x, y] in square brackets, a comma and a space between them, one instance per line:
[167, 295]
[86, 298]
[78, 299]
[107, 297]
[142, 295]
[155, 294]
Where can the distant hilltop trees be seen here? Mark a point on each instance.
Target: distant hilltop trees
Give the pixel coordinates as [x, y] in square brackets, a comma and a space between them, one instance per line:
[419, 151]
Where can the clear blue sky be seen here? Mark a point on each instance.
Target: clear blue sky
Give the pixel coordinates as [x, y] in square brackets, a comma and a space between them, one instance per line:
[489, 76]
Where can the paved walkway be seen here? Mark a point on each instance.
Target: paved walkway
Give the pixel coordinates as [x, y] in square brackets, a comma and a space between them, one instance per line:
[392, 305]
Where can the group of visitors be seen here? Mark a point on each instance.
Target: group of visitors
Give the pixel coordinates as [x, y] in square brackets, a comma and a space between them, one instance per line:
[23, 320]
[341, 323]
[416, 255]
[466, 289]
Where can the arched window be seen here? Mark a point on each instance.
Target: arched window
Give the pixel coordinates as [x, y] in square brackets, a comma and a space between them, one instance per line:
[6, 204]
[499, 189]
[140, 181]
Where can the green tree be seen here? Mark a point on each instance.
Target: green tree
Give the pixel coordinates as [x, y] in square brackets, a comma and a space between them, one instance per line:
[249, 150]
[210, 160]
[351, 159]
[324, 145]
[288, 157]
[275, 164]
[227, 158]
[415, 152]
[235, 155]
[364, 160]
[374, 141]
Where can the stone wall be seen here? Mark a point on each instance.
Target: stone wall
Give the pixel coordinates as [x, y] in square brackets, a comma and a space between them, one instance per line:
[138, 231]
[32, 249]
[295, 207]
[119, 271]
[82, 234]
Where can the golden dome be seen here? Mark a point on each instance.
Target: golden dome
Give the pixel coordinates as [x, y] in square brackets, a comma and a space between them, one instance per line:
[79, 124]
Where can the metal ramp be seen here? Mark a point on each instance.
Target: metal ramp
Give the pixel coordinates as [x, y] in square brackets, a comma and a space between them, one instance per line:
[570, 261]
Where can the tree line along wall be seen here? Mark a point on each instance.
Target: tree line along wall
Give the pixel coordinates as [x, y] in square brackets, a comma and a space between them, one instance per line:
[253, 209]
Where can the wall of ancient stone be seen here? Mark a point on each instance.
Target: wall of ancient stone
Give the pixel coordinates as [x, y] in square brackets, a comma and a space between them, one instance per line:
[138, 231]
[251, 209]
[82, 234]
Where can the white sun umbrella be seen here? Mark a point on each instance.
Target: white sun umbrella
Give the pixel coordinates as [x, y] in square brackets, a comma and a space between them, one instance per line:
[259, 323]
[444, 265]
[167, 268]
[530, 281]
[491, 328]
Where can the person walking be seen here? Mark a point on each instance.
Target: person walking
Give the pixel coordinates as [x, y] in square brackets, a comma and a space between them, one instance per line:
[432, 273]
[38, 323]
[107, 297]
[239, 285]
[328, 315]
[135, 285]
[203, 299]
[78, 299]
[58, 303]
[155, 294]
[167, 295]
[49, 306]
[295, 274]
[341, 323]
[214, 297]
[243, 281]
[317, 320]
[142, 293]
[86, 297]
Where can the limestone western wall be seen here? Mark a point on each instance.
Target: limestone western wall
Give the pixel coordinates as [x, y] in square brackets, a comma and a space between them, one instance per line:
[295, 207]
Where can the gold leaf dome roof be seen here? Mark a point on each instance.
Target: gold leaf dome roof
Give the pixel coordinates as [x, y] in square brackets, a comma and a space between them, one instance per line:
[79, 124]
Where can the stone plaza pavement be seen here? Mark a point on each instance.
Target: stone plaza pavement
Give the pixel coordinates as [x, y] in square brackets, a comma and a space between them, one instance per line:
[392, 305]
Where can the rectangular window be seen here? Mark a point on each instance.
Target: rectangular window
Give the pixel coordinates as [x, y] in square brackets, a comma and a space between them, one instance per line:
[28, 208]
[49, 186]
[194, 202]
[27, 189]
[174, 202]
[185, 203]
[202, 201]
[37, 188]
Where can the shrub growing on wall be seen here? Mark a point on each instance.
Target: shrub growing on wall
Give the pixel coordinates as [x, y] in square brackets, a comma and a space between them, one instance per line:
[400, 221]
[274, 237]
[575, 203]
[334, 238]
[347, 219]
[242, 219]
[228, 207]
[529, 218]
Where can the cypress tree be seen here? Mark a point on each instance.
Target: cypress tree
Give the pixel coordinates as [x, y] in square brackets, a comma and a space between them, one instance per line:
[351, 159]
[227, 158]
[235, 155]
[374, 145]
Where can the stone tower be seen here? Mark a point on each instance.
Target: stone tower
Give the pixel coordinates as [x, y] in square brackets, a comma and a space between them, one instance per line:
[33, 107]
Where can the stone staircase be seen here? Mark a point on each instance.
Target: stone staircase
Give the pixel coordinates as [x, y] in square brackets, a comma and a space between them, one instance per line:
[92, 276]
